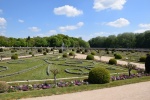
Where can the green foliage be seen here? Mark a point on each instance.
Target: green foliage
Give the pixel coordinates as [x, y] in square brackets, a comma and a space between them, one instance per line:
[86, 50]
[12, 51]
[112, 61]
[1, 49]
[60, 51]
[90, 57]
[40, 50]
[78, 51]
[44, 53]
[142, 59]
[14, 56]
[3, 87]
[71, 53]
[65, 55]
[30, 53]
[47, 50]
[99, 75]
[147, 64]
[93, 53]
[118, 56]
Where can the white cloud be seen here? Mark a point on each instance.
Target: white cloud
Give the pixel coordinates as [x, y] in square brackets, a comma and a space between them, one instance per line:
[21, 21]
[2, 22]
[67, 10]
[121, 22]
[52, 32]
[108, 4]
[1, 11]
[143, 28]
[71, 27]
[34, 29]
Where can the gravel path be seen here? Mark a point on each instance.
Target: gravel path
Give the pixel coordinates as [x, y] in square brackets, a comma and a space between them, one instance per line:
[137, 91]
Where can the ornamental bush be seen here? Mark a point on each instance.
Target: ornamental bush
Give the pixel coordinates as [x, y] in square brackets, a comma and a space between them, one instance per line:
[90, 57]
[40, 50]
[60, 51]
[15, 56]
[99, 75]
[78, 51]
[3, 87]
[71, 54]
[30, 53]
[118, 56]
[65, 55]
[86, 50]
[142, 59]
[93, 53]
[44, 53]
[147, 64]
[112, 61]
[1, 49]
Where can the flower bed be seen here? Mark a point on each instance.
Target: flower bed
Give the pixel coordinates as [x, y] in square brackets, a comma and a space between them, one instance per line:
[30, 87]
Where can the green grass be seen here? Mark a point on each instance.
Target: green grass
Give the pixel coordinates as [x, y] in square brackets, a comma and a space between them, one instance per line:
[56, 91]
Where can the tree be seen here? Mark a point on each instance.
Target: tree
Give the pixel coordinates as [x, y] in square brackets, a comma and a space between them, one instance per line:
[27, 40]
[130, 67]
[55, 72]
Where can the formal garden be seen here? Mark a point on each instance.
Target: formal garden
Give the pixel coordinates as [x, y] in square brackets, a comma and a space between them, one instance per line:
[56, 68]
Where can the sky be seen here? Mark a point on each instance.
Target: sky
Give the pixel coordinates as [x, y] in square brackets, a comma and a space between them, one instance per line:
[75, 18]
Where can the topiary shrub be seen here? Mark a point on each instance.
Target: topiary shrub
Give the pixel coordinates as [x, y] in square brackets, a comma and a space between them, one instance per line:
[71, 54]
[83, 52]
[78, 51]
[117, 56]
[44, 53]
[107, 52]
[15, 56]
[90, 57]
[142, 59]
[99, 75]
[12, 51]
[47, 50]
[73, 50]
[112, 61]
[86, 50]
[40, 50]
[3, 87]
[60, 51]
[30, 53]
[65, 55]
[1, 49]
[93, 53]
[147, 64]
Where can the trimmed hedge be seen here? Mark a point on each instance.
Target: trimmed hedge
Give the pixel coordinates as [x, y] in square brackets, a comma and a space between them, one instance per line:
[93, 53]
[142, 59]
[44, 53]
[60, 51]
[15, 56]
[112, 61]
[65, 55]
[90, 57]
[71, 54]
[118, 56]
[3, 87]
[1, 49]
[99, 75]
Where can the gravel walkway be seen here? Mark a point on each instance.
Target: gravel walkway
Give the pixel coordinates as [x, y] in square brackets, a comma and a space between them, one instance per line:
[138, 91]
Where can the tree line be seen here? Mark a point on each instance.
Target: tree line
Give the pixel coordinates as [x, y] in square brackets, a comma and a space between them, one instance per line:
[52, 41]
[125, 40]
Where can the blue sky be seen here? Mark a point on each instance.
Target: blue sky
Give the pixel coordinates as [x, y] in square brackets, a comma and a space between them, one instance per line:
[77, 18]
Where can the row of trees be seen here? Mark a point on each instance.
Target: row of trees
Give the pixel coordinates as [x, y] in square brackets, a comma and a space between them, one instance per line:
[52, 41]
[125, 40]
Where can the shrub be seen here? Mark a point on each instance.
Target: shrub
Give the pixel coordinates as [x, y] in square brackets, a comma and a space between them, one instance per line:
[99, 75]
[44, 53]
[117, 56]
[3, 86]
[147, 64]
[12, 51]
[71, 54]
[142, 59]
[30, 53]
[93, 53]
[47, 50]
[60, 51]
[107, 52]
[90, 57]
[65, 55]
[83, 52]
[1, 49]
[112, 61]
[86, 50]
[73, 50]
[15, 56]
[40, 50]
[78, 51]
